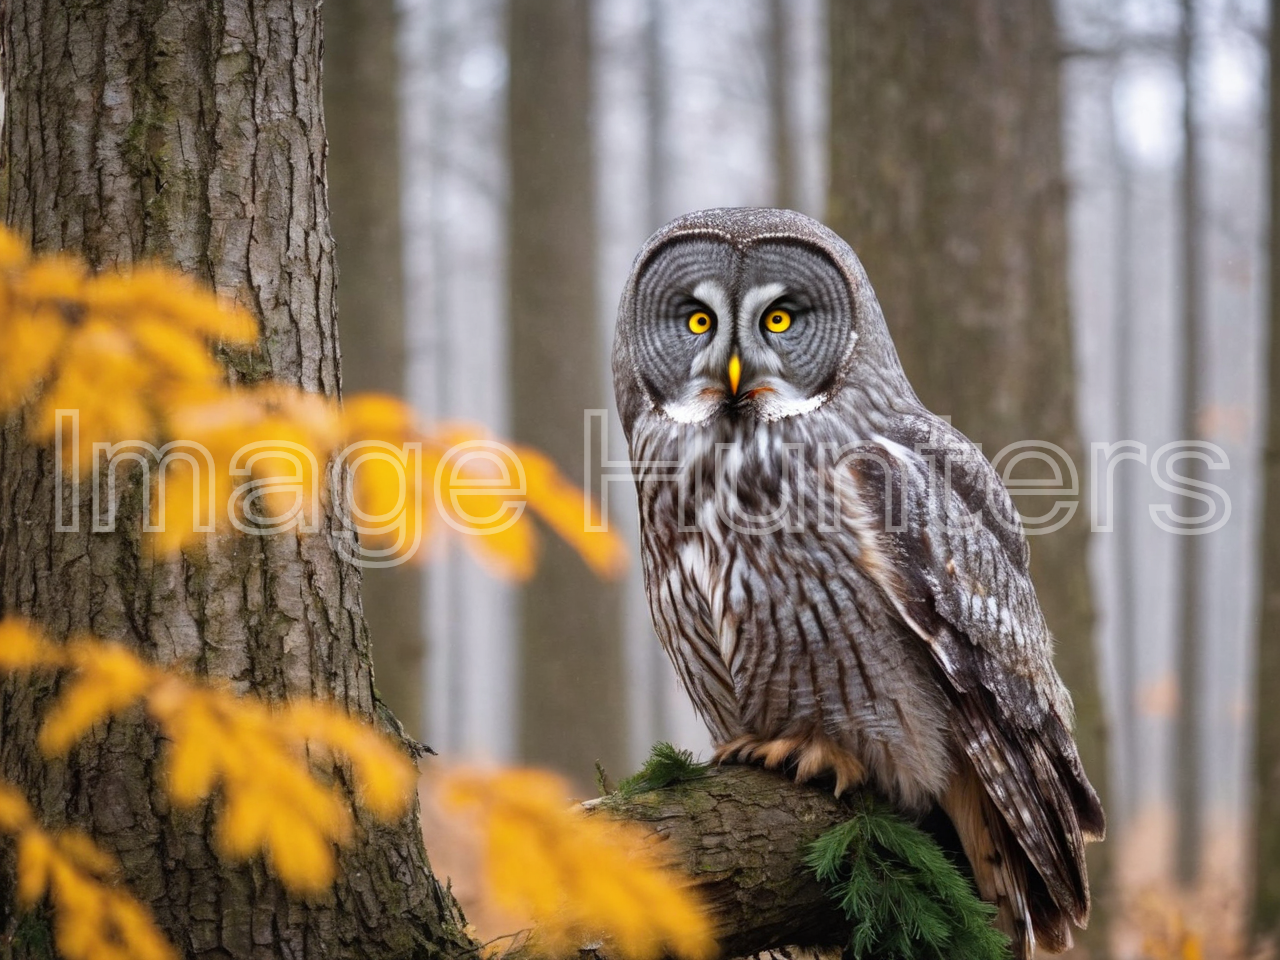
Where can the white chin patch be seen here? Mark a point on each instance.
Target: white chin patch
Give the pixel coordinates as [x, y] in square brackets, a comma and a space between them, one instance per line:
[776, 406]
[691, 411]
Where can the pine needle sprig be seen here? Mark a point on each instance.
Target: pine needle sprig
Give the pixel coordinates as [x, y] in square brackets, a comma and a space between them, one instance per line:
[905, 897]
[666, 765]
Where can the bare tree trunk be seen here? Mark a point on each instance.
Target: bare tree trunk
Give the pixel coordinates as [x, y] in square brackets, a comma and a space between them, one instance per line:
[1188, 740]
[947, 178]
[781, 134]
[1124, 739]
[571, 670]
[362, 113]
[192, 132]
[656, 113]
[1266, 904]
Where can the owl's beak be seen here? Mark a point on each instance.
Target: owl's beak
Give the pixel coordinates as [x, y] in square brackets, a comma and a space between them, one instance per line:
[735, 373]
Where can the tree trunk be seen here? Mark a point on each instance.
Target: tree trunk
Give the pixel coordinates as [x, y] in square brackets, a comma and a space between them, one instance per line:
[947, 179]
[192, 132]
[1266, 905]
[1187, 729]
[571, 658]
[362, 109]
[781, 129]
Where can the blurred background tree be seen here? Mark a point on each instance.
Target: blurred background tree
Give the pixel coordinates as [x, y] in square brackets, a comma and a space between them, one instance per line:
[362, 115]
[947, 177]
[1266, 796]
[571, 689]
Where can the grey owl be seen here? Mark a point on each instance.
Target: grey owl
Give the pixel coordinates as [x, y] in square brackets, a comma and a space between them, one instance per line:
[838, 575]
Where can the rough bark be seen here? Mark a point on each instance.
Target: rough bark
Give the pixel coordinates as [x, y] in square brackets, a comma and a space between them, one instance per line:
[192, 132]
[947, 179]
[571, 658]
[362, 116]
[1266, 904]
[742, 833]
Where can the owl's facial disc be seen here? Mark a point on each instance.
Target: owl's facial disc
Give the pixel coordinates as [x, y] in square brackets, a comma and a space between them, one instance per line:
[725, 332]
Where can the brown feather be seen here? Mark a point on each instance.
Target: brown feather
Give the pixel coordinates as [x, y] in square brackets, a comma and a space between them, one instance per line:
[812, 752]
[999, 867]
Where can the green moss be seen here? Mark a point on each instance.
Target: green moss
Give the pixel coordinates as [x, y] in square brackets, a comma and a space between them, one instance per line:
[33, 936]
[906, 899]
[666, 765]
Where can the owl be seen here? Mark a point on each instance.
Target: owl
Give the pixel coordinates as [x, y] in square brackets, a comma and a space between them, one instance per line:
[839, 576]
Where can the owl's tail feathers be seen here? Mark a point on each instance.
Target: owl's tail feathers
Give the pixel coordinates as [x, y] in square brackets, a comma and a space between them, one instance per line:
[1024, 909]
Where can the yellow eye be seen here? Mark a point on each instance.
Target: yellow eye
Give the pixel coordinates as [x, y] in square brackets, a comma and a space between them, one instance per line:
[700, 322]
[777, 321]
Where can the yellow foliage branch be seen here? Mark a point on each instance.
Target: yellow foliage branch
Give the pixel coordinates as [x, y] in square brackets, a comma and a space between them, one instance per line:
[94, 919]
[577, 880]
[573, 880]
[271, 800]
[132, 356]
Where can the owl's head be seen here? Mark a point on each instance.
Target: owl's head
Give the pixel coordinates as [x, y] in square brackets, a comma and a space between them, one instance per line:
[744, 314]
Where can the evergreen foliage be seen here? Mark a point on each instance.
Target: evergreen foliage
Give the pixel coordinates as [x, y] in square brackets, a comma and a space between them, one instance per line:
[666, 765]
[905, 897]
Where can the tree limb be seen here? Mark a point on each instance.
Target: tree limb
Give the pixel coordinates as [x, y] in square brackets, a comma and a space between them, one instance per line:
[741, 834]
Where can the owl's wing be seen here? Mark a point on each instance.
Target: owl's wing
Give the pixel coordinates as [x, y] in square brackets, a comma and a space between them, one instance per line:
[940, 535]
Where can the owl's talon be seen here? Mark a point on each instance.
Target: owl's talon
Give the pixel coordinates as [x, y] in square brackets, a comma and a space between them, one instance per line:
[812, 754]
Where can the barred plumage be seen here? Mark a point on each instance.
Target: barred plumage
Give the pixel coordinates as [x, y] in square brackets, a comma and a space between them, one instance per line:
[839, 576]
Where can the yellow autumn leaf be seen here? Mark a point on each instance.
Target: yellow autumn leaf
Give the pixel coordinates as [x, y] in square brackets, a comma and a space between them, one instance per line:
[22, 646]
[574, 518]
[193, 761]
[56, 278]
[14, 251]
[109, 680]
[35, 858]
[151, 288]
[14, 812]
[174, 352]
[29, 345]
[578, 878]
[135, 367]
[374, 416]
[301, 857]
[102, 378]
[79, 849]
[243, 825]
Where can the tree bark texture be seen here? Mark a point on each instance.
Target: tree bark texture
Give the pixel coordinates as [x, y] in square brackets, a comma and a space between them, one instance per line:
[742, 834]
[361, 74]
[571, 673]
[191, 132]
[947, 179]
[1266, 905]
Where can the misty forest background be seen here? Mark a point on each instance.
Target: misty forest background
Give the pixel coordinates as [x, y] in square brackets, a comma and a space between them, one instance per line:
[1063, 208]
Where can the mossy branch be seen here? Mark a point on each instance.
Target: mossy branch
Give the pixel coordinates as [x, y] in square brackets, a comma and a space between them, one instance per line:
[781, 863]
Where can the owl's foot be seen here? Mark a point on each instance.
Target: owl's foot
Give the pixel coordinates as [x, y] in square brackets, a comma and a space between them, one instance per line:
[812, 753]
